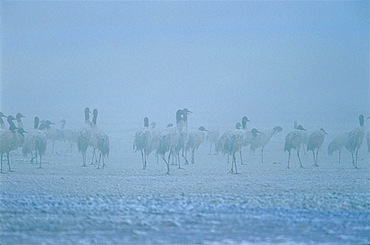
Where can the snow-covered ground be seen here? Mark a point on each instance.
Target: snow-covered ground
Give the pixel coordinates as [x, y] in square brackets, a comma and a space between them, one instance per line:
[64, 203]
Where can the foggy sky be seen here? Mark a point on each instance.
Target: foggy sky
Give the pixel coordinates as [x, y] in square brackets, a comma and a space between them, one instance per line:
[270, 61]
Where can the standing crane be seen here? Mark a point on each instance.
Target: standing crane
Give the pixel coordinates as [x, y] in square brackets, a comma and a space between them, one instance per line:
[99, 140]
[261, 140]
[315, 141]
[168, 139]
[196, 138]
[84, 136]
[294, 141]
[355, 139]
[143, 140]
[337, 144]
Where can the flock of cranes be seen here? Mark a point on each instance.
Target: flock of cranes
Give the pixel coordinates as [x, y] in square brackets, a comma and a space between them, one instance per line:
[176, 139]
[172, 144]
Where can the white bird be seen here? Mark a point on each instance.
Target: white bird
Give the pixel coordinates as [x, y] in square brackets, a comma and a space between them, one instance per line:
[169, 138]
[143, 140]
[196, 138]
[220, 145]
[183, 137]
[315, 141]
[294, 141]
[355, 139]
[10, 140]
[261, 140]
[233, 144]
[155, 140]
[99, 140]
[84, 136]
[305, 138]
[5, 137]
[36, 141]
[337, 144]
[212, 138]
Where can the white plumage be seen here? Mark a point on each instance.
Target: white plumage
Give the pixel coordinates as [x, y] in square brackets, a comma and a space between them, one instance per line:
[315, 141]
[168, 139]
[183, 137]
[143, 141]
[355, 139]
[294, 141]
[99, 140]
[337, 144]
[261, 140]
[36, 141]
[233, 144]
[10, 139]
[84, 136]
[196, 138]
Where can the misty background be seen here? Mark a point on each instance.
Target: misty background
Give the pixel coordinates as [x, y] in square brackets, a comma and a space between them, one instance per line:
[275, 62]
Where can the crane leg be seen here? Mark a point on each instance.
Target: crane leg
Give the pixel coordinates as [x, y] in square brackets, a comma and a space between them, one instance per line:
[262, 155]
[353, 159]
[192, 155]
[167, 163]
[83, 159]
[142, 158]
[40, 160]
[314, 158]
[9, 163]
[339, 155]
[317, 158]
[288, 159]
[241, 157]
[299, 158]
[234, 158]
[356, 157]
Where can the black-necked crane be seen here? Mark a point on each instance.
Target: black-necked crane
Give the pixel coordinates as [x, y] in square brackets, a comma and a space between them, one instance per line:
[169, 138]
[143, 141]
[196, 138]
[36, 141]
[261, 140]
[155, 140]
[355, 139]
[234, 142]
[99, 140]
[337, 144]
[220, 145]
[84, 136]
[5, 138]
[183, 137]
[10, 139]
[314, 143]
[28, 146]
[19, 117]
[294, 141]
[2, 123]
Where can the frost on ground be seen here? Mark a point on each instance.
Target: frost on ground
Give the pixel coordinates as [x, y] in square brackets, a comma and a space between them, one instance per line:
[64, 203]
